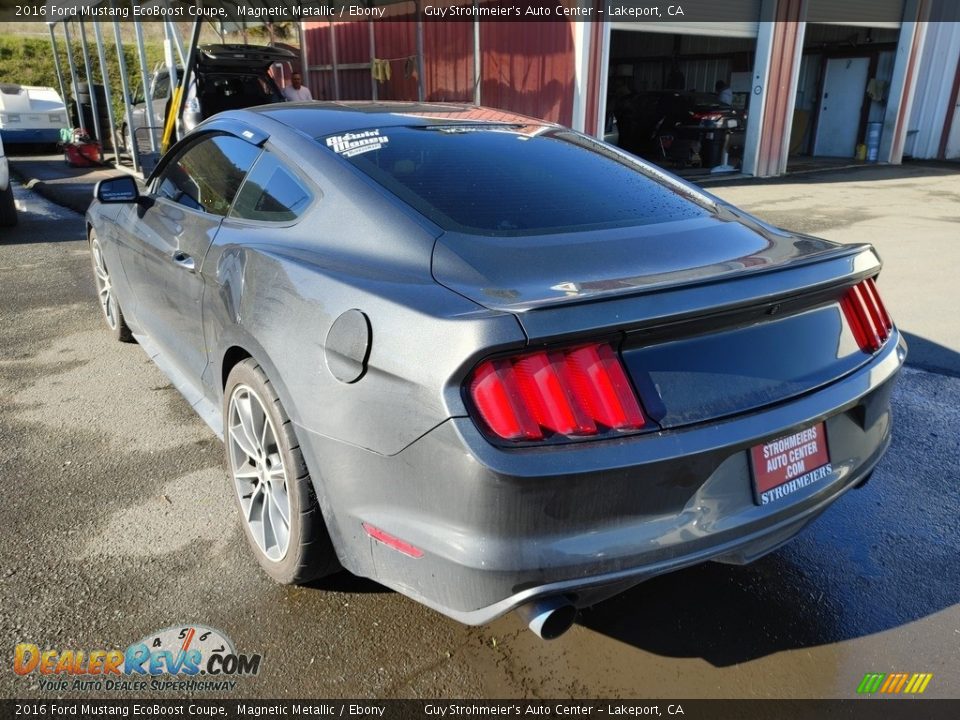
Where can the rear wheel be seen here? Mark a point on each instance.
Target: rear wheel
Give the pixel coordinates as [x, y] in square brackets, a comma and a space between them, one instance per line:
[275, 497]
[8, 208]
[112, 313]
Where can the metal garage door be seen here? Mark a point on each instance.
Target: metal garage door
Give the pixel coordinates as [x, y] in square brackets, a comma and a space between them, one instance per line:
[864, 13]
[730, 18]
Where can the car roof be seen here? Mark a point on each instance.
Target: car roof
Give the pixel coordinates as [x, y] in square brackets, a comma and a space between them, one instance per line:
[318, 119]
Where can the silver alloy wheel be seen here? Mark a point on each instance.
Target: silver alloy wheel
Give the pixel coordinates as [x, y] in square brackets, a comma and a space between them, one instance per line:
[259, 476]
[108, 302]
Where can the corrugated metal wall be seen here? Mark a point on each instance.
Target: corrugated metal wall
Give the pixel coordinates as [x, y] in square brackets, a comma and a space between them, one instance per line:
[526, 67]
[448, 61]
[396, 42]
[935, 100]
[866, 13]
[349, 44]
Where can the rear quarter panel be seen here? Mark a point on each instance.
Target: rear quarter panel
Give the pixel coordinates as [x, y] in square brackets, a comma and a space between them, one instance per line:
[276, 291]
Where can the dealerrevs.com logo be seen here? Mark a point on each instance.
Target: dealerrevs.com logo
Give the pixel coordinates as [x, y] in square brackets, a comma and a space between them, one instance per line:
[186, 658]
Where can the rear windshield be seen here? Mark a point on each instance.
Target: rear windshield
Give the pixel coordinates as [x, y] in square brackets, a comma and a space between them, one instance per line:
[510, 180]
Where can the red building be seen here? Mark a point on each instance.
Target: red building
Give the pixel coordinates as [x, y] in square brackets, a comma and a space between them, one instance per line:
[526, 67]
[782, 60]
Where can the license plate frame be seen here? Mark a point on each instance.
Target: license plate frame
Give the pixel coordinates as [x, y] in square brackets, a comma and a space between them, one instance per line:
[788, 463]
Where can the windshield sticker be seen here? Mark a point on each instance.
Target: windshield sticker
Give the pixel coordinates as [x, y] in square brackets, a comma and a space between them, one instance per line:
[352, 144]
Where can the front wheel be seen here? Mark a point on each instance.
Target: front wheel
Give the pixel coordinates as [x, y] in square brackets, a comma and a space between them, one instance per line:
[112, 313]
[275, 497]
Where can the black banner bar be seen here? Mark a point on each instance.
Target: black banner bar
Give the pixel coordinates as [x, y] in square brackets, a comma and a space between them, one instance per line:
[853, 709]
[256, 11]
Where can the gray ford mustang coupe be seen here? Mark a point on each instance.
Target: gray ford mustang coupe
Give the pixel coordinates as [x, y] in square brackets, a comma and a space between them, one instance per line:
[488, 361]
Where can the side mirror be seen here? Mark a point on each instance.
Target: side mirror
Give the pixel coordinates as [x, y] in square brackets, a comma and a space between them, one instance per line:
[120, 189]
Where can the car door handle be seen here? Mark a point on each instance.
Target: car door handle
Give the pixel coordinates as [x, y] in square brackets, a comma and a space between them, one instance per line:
[184, 261]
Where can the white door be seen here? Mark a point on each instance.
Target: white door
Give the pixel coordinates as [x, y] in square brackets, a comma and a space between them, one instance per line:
[844, 85]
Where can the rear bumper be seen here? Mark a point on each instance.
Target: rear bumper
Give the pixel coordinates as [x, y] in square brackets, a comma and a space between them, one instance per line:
[501, 527]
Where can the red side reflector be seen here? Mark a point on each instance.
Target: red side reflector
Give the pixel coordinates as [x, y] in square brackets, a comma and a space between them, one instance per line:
[391, 541]
[866, 315]
[577, 392]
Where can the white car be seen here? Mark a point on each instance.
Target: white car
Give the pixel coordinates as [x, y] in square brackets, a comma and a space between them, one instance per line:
[8, 209]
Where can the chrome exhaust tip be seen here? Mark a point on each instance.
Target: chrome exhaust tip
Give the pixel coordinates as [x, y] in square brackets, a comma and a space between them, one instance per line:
[548, 618]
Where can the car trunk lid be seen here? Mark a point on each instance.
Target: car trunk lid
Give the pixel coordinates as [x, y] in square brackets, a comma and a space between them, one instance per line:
[713, 318]
[518, 274]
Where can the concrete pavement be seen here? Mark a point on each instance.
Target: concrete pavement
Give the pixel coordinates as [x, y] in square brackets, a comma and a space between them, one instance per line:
[910, 213]
[51, 177]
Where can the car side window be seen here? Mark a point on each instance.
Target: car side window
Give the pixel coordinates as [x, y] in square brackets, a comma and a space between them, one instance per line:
[207, 175]
[271, 193]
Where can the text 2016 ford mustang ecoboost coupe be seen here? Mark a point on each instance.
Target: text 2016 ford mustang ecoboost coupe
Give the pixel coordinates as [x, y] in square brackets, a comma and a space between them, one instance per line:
[488, 361]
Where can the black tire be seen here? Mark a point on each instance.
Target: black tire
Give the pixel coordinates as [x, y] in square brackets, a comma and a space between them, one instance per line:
[119, 329]
[309, 554]
[8, 208]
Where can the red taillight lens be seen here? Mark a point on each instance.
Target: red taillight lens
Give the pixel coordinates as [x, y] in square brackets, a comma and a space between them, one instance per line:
[712, 117]
[866, 315]
[576, 392]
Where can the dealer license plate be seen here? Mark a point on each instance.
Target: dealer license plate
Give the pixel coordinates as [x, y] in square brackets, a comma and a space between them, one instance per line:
[789, 464]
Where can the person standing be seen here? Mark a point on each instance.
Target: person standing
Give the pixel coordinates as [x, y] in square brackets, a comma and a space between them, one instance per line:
[296, 91]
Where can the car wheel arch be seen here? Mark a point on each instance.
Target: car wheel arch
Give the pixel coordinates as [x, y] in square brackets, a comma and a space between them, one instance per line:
[233, 355]
[236, 348]
[244, 348]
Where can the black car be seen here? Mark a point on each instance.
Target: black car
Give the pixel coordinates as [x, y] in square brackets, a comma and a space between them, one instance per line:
[226, 77]
[683, 127]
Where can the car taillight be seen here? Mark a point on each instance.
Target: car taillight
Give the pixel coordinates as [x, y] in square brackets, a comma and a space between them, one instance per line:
[576, 392]
[712, 117]
[866, 315]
